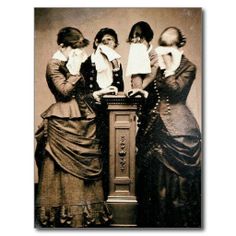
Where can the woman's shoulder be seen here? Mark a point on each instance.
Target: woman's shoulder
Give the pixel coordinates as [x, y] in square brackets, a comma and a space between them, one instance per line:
[53, 62]
[54, 65]
[186, 62]
[86, 66]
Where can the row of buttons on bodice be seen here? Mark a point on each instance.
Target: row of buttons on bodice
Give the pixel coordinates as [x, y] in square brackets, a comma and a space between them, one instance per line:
[155, 109]
[92, 78]
[155, 112]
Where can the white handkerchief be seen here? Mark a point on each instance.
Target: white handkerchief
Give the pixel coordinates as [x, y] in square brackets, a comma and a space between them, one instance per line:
[138, 60]
[103, 68]
[105, 77]
[109, 52]
[99, 60]
[176, 56]
[59, 56]
[161, 62]
[76, 58]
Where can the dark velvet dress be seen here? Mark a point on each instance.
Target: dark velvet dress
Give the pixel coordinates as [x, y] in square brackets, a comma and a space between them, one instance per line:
[169, 151]
[68, 155]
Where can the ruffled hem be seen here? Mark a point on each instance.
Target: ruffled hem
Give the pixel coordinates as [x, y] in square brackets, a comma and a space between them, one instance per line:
[88, 215]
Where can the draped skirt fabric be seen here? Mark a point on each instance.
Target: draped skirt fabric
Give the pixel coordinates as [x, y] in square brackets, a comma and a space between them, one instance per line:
[168, 178]
[70, 192]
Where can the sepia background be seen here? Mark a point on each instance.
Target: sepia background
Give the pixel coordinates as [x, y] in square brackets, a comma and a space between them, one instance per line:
[48, 21]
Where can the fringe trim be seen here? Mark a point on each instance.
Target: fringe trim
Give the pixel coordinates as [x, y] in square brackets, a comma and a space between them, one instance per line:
[88, 215]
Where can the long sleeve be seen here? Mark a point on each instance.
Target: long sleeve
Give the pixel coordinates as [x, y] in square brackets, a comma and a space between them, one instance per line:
[69, 92]
[59, 83]
[180, 81]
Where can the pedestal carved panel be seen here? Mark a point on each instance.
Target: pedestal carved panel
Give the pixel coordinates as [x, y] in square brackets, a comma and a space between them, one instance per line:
[122, 132]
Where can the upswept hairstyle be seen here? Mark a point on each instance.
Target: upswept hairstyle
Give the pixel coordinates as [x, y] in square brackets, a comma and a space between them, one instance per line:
[100, 35]
[179, 40]
[141, 29]
[70, 36]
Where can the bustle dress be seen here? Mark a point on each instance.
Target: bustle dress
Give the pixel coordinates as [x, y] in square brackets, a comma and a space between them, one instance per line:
[68, 155]
[169, 153]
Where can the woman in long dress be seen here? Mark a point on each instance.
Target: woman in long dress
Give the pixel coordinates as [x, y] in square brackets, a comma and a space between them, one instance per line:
[68, 154]
[169, 142]
[103, 70]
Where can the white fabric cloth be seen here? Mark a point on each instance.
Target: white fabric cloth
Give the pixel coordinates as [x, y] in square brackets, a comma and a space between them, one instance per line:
[109, 52]
[102, 59]
[138, 60]
[59, 56]
[76, 58]
[176, 58]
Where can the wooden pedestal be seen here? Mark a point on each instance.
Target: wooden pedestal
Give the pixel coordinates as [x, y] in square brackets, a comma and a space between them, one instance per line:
[122, 133]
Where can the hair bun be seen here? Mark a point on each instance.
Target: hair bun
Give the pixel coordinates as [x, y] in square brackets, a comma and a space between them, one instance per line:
[181, 38]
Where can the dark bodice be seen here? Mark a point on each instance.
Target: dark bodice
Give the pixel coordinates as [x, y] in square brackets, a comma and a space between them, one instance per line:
[167, 97]
[72, 101]
[88, 70]
[62, 84]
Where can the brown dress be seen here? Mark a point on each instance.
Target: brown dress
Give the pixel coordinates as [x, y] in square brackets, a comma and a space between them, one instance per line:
[68, 155]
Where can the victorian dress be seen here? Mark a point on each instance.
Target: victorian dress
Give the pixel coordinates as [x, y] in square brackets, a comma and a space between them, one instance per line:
[89, 72]
[68, 155]
[168, 157]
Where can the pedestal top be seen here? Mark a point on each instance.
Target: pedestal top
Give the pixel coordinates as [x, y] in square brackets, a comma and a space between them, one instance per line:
[121, 98]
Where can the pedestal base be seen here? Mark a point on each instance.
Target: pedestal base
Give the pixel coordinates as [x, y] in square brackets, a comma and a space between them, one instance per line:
[124, 213]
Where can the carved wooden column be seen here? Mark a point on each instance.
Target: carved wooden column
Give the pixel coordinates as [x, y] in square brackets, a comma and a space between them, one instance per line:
[122, 133]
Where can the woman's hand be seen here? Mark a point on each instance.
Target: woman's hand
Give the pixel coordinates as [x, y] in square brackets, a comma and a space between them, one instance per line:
[108, 52]
[168, 61]
[115, 64]
[171, 57]
[109, 90]
[136, 40]
[137, 92]
[76, 57]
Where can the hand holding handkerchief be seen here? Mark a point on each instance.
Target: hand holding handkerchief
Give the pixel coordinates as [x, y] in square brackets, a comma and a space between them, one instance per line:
[138, 60]
[76, 58]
